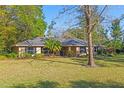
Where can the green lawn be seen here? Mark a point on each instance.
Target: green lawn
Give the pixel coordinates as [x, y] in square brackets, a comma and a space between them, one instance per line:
[62, 72]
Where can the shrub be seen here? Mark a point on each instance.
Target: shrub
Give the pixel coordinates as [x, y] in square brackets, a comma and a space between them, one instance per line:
[101, 52]
[11, 55]
[118, 51]
[70, 53]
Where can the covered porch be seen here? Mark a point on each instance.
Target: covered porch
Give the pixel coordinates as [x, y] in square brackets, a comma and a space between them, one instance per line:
[74, 51]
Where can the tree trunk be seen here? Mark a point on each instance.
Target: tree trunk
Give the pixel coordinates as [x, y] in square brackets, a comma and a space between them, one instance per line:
[90, 51]
[89, 28]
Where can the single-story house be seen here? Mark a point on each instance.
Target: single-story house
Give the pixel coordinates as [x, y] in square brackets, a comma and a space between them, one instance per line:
[36, 46]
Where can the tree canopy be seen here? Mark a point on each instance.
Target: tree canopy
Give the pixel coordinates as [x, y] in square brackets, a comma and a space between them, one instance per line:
[18, 23]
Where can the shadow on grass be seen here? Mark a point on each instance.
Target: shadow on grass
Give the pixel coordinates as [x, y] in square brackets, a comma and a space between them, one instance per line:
[73, 62]
[40, 84]
[81, 61]
[73, 84]
[101, 61]
[90, 84]
[111, 59]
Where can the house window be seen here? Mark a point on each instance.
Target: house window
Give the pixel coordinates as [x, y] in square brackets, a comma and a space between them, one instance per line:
[95, 49]
[31, 50]
[82, 49]
[45, 51]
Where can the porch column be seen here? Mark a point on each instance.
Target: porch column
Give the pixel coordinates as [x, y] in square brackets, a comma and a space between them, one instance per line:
[21, 51]
[38, 50]
[87, 50]
[68, 52]
[69, 48]
[77, 51]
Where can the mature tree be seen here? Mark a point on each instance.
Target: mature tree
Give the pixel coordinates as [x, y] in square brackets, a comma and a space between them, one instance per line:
[18, 23]
[29, 22]
[7, 27]
[88, 11]
[92, 18]
[89, 17]
[116, 34]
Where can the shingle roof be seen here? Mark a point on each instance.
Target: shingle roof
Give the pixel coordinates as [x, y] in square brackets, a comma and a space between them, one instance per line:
[38, 41]
[74, 42]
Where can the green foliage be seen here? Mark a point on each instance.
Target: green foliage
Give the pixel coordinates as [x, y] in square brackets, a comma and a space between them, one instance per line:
[30, 22]
[70, 53]
[99, 35]
[53, 45]
[7, 27]
[18, 23]
[101, 52]
[116, 34]
[116, 29]
[117, 44]
[11, 55]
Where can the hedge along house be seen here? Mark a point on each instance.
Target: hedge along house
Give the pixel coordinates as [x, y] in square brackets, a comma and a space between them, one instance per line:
[72, 47]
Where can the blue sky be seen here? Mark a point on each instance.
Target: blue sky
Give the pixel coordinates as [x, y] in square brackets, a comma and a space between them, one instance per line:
[51, 11]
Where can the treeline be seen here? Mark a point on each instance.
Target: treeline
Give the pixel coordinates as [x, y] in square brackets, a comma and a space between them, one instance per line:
[18, 23]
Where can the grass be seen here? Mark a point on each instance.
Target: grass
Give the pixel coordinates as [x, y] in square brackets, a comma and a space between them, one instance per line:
[62, 72]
